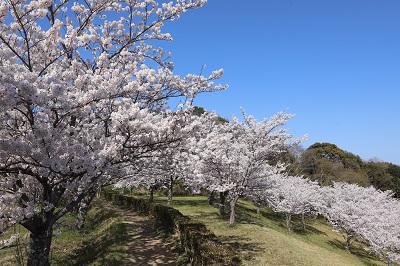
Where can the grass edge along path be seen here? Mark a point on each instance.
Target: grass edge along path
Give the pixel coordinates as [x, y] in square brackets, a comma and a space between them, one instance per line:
[113, 237]
[197, 244]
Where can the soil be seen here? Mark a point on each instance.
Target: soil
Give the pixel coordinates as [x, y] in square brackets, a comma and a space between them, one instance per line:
[144, 245]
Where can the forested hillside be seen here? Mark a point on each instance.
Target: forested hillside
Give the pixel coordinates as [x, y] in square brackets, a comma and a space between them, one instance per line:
[326, 162]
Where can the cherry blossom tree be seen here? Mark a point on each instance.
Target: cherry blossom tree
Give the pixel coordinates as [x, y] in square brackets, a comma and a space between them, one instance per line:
[261, 190]
[142, 178]
[163, 168]
[234, 153]
[352, 210]
[294, 195]
[83, 94]
[382, 232]
[380, 224]
[172, 163]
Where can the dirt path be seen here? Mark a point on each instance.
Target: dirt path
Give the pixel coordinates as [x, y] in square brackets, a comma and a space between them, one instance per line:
[144, 246]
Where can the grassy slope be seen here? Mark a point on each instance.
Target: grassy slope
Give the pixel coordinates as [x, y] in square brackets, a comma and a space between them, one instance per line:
[263, 240]
[103, 243]
[259, 240]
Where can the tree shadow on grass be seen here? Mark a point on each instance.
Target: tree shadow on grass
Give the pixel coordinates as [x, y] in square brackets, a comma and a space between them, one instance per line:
[96, 247]
[243, 245]
[358, 251]
[308, 230]
[93, 221]
[189, 202]
[314, 230]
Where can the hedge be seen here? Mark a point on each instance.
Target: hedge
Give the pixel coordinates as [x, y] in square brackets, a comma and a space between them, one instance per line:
[198, 245]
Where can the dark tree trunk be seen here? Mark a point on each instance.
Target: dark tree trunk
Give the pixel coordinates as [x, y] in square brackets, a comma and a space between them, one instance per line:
[222, 198]
[151, 199]
[349, 238]
[210, 198]
[40, 243]
[83, 208]
[41, 224]
[233, 202]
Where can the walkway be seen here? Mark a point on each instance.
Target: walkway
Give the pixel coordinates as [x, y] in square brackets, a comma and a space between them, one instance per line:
[145, 247]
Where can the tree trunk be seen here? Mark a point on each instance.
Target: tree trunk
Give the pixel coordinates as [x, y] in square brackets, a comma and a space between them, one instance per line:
[98, 193]
[83, 208]
[289, 222]
[151, 199]
[210, 198]
[170, 187]
[258, 208]
[222, 197]
[40, 243]
[303, 223]
[348, 238]
[233, 202]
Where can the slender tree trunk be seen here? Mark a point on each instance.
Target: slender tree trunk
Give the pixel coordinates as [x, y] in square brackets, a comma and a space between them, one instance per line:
[348, 238]
[151, 199]
[222, 198]
[289, 222]
[98, 193]
[303, 223]
[169, 195]
[258, 204]
[40, 243]
[210, 198]
[83, 208]
[232, 203]
[170, 187]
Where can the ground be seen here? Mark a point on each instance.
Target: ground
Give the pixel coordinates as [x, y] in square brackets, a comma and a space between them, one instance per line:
[144, 245]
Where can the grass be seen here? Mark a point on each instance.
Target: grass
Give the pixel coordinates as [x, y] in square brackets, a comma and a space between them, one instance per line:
[102, 244]
[264, 240]
[258, 239]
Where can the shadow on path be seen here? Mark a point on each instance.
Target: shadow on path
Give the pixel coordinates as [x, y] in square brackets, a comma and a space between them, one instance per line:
[144, 246]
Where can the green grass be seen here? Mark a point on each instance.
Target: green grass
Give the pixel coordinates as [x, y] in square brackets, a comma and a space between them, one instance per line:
[102, 244]
[258, 239]
[264, 240]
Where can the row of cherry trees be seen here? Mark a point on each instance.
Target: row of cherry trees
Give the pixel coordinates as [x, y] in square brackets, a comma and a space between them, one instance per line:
[84, 103]
[229, 158]
[84, 99]
[238, 158]
[358, 213]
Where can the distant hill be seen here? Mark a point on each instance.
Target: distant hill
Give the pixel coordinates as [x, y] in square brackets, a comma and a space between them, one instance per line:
[325, 162]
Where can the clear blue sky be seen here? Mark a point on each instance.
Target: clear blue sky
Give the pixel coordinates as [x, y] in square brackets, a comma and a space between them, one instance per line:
[333, 63]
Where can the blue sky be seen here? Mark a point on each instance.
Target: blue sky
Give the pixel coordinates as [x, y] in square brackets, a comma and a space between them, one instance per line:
[333, 63]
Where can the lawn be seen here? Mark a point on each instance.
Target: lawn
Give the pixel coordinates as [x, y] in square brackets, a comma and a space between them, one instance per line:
[259, 240]
[264, 240]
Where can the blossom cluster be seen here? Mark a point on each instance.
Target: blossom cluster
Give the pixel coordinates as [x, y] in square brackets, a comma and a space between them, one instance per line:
[84, 97]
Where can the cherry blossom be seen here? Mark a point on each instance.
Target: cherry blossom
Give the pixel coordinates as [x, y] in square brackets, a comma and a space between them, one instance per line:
[233, 154]
[362, 213]
[84, 94]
